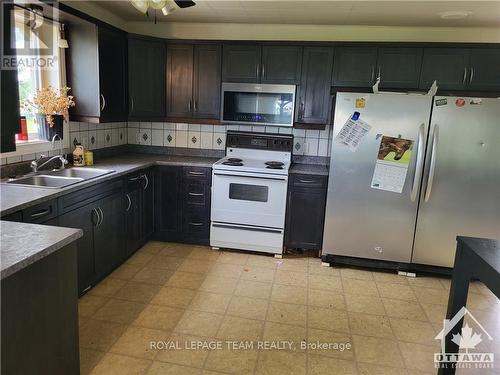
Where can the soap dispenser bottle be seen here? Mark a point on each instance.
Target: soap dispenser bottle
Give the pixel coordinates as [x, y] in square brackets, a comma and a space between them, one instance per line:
[78, 159]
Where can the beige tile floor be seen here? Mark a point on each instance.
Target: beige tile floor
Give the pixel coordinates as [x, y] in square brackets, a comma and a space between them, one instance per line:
[188, 294]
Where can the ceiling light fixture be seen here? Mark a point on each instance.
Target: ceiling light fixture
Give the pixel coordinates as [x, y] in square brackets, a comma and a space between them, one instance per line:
[166, 6]
[454, 14]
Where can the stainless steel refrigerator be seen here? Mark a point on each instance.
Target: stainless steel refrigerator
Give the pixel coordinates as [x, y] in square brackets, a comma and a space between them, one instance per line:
[451, 186]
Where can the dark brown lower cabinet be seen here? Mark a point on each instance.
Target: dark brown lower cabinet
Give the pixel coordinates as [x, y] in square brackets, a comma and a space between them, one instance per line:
[305, 211]
[183, 204]
[40, 317]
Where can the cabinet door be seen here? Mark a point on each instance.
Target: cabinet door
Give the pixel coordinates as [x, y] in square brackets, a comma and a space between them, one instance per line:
[84, 218]
[281, 64]
[108, 234]
[354, 66]
[179, 80]
[241, 63]
[314, 93]
[304, 219]
[399, 67]
[447, 66]
[484, 70]
[133, 217]
[148, 204]
[9, 114]
[112, 74]
[146, 78]
[168, 207]
[207, 79]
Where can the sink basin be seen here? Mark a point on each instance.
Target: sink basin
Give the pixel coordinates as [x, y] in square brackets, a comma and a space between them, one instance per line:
[59, 178]
[46, 181]
[75, 172]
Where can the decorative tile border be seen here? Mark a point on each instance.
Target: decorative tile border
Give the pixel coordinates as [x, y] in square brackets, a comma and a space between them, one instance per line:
[213, 137]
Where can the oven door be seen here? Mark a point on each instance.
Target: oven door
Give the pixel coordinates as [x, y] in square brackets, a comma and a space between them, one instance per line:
[258, 104]
[258, 200]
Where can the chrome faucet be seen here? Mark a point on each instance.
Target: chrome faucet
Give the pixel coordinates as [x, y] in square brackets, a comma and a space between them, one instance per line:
[34, 164]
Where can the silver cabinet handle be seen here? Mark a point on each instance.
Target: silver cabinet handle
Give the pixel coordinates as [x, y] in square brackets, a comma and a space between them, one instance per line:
[195, 224]
[103, 102]
[129, 202]
[419, 164]
[196, 173]
[432, 166]
[195, 105]
[471, 75]
[196, 194]
[132, 179]
[263, 70]
[465, 76]
[189, 105]
[146, 181]
[94, 211]
[306, 181]
[257, 71]
[102, 216]
[40, 213]
[131, 103]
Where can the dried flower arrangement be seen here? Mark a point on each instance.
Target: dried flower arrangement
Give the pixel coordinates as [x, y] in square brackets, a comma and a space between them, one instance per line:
[48, 102]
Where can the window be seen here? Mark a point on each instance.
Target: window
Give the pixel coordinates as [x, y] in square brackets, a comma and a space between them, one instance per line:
[32, 77]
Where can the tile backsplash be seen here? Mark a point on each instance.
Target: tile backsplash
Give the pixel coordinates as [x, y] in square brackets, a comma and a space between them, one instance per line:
[178, 135]
[97, 136]
[213, 137]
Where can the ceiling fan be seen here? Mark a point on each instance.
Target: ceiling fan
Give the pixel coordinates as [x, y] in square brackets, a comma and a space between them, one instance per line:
[166, 6]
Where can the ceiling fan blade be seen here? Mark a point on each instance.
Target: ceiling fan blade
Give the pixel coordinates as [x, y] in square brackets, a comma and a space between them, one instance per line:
[184, 3]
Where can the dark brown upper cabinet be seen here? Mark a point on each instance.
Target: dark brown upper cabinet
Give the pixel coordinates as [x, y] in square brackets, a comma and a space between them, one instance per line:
[97, 74]
[484, 70]
[193, 81]
[313, 95]
[9, 106]
[474, 69]
[354, 66]
[399, 67]
[146, 78]
[262, 64]
[447, 66]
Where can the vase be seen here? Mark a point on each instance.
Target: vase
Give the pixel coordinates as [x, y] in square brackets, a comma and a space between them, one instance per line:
[45, 132]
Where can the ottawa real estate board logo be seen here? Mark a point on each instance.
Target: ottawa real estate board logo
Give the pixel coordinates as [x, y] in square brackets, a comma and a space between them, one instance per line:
[29, 35]
[467, 340]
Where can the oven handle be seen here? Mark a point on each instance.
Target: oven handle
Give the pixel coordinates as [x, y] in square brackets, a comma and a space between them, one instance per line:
[267, 230]
[247, 176]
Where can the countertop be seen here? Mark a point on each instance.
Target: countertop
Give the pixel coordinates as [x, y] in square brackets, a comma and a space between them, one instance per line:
[316, 169]
[24, 244]
[15, 198]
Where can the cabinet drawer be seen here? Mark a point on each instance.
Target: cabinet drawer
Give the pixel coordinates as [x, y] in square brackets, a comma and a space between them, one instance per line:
[308, 180]
[88, 195]
[196, 222]
[41, 212]
[196, 192]
[197, 172]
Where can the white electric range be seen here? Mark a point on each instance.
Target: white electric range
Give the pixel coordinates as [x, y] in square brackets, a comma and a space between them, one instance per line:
[249, 191]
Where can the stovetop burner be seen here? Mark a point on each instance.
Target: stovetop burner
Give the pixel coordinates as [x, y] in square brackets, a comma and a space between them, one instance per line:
[234, 163]
[234, 160]
[274, 164]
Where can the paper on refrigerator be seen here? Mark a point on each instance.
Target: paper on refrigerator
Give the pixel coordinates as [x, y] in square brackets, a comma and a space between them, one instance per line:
[353, 132]
[392, 164]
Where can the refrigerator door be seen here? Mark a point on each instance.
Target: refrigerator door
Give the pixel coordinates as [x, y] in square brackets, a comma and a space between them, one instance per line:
[461, 184]
[362, 221]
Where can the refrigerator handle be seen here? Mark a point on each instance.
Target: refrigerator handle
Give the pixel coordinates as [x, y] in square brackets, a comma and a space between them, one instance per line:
[432, 166]
[419, 164]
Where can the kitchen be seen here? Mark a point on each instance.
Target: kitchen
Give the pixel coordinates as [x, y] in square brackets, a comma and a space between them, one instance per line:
[250, 187]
